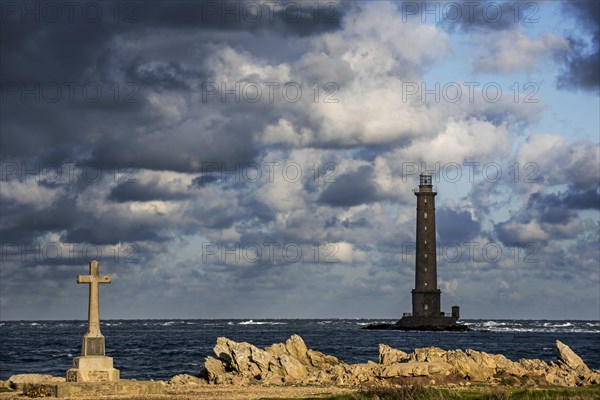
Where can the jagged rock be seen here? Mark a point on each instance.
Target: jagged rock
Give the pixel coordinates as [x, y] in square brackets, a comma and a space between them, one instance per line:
[213, 369]
[590, 377]
[504, 365]
[276, 364]
[568, 356]
[428, 354]
[243, 358]
[388, 355]
[320, 360]
[293, 370]
[261, 358]
[17, 381]
[276, 349]
[570, 369]
[355, 374]
[297, 349]
[559, 377]
[533, 367]
[469, 364]
[185, 379]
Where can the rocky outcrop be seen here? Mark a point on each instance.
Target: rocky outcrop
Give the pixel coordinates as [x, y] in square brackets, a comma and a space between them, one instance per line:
[570, 369]
[569, 358]
[470, 364]
[293, 362]
[289, 362]
[388, 355]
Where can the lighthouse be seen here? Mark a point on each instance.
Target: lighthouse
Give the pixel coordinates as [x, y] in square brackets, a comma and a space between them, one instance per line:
[426, 297]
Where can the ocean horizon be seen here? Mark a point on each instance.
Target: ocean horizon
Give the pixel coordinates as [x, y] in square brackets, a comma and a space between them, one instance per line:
[161, 348]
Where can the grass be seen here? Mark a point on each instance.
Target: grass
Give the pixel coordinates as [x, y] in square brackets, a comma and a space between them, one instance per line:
[482, 393]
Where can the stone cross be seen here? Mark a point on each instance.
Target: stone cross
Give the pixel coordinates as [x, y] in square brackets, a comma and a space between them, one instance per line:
[93, 341]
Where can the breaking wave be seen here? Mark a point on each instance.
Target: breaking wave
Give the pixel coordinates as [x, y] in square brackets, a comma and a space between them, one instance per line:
[535, 326]
[252, 322]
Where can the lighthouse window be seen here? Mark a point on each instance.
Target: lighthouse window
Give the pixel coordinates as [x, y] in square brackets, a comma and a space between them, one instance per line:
[425, 255]
[425, 283]
[425, 201]
[425, 215]
[425, 270]
[426, 306]
[425, 241]
[425, 227]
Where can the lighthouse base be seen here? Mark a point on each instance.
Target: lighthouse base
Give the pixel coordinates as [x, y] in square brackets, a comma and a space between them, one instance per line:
[410, 323]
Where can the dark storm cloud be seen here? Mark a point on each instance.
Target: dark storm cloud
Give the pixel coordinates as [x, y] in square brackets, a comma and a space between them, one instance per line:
[112, 229]
[185, 148]
[347, 223]
[456, 226]
[75, 224]
[351, 189]
[285, 16]
[553, 212]
[205, 179]
[20, 224]
[582, 70]
[559, 208]
[507, 236]
[148, 191]
[585, 200]
[74, 50]
[162, 75]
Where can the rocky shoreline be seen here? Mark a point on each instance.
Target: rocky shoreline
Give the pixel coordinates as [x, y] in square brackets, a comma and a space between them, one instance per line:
[293, 363]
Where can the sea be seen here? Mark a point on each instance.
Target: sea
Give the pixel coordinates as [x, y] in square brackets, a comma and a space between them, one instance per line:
[161, 349]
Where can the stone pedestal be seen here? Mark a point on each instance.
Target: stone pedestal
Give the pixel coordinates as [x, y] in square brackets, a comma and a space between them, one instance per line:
[96, 390]
[92, 369]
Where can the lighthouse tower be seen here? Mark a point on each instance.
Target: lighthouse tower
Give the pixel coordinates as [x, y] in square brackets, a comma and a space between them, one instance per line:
[425, 295]
[426, 307]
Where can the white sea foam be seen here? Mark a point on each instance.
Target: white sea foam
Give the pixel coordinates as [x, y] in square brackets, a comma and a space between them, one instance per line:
[494, 323]
[66, 354]
[252, 322]
[563, 325]
[535, 326]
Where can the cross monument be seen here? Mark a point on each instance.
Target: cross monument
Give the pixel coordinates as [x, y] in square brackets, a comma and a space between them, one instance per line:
[93, 341]
[93, 365]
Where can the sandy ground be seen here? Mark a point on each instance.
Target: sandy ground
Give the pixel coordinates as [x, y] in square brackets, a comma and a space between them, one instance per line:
[224, 392]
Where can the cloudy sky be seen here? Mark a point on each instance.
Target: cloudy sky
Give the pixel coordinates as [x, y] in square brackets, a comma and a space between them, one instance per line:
[256, 159]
